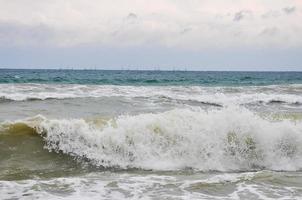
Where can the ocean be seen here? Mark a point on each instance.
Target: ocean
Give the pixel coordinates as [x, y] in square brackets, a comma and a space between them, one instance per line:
[96, 134]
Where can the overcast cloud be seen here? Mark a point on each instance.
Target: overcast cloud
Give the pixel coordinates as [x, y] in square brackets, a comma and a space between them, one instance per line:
[188, 25]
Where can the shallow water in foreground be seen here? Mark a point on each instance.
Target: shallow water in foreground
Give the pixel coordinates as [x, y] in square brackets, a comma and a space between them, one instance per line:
[148, 185]
[171, 141]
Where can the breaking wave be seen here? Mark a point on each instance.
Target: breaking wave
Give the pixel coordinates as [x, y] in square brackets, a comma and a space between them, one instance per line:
[230, 139]
[214, 96]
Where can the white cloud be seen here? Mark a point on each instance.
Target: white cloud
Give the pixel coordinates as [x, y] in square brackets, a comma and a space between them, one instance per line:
[186, 24]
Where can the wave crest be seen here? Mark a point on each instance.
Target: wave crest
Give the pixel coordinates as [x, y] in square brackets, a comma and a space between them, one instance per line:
[230, 139]
[191, 95]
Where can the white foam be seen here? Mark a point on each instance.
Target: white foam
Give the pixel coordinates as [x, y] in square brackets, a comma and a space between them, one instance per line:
[106, 185]
[217, 95]
[229, 139]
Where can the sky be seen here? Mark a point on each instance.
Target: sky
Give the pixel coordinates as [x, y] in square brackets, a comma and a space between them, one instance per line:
[158, 34]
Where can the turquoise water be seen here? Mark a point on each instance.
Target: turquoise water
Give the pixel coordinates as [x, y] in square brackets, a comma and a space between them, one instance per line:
[106, 77]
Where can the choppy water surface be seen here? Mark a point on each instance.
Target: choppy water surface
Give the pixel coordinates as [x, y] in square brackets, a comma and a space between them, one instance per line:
[185, 138]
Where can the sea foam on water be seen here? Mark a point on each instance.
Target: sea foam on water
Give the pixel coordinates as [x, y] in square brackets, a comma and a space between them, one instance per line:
[228, 139]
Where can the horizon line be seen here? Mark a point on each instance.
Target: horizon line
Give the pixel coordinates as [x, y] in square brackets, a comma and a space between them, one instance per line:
[153, 70]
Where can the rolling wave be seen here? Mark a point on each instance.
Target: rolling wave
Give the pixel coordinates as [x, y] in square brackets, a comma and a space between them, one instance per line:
[213, 96]
[230, 139]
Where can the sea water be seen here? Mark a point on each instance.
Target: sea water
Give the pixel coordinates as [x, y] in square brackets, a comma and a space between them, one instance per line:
[93, 134]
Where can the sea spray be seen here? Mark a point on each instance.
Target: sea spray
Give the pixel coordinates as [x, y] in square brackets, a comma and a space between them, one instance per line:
[228, 139]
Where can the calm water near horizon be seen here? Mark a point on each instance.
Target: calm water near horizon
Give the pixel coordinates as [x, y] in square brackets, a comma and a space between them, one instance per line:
[140, 77]
[95, 134]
